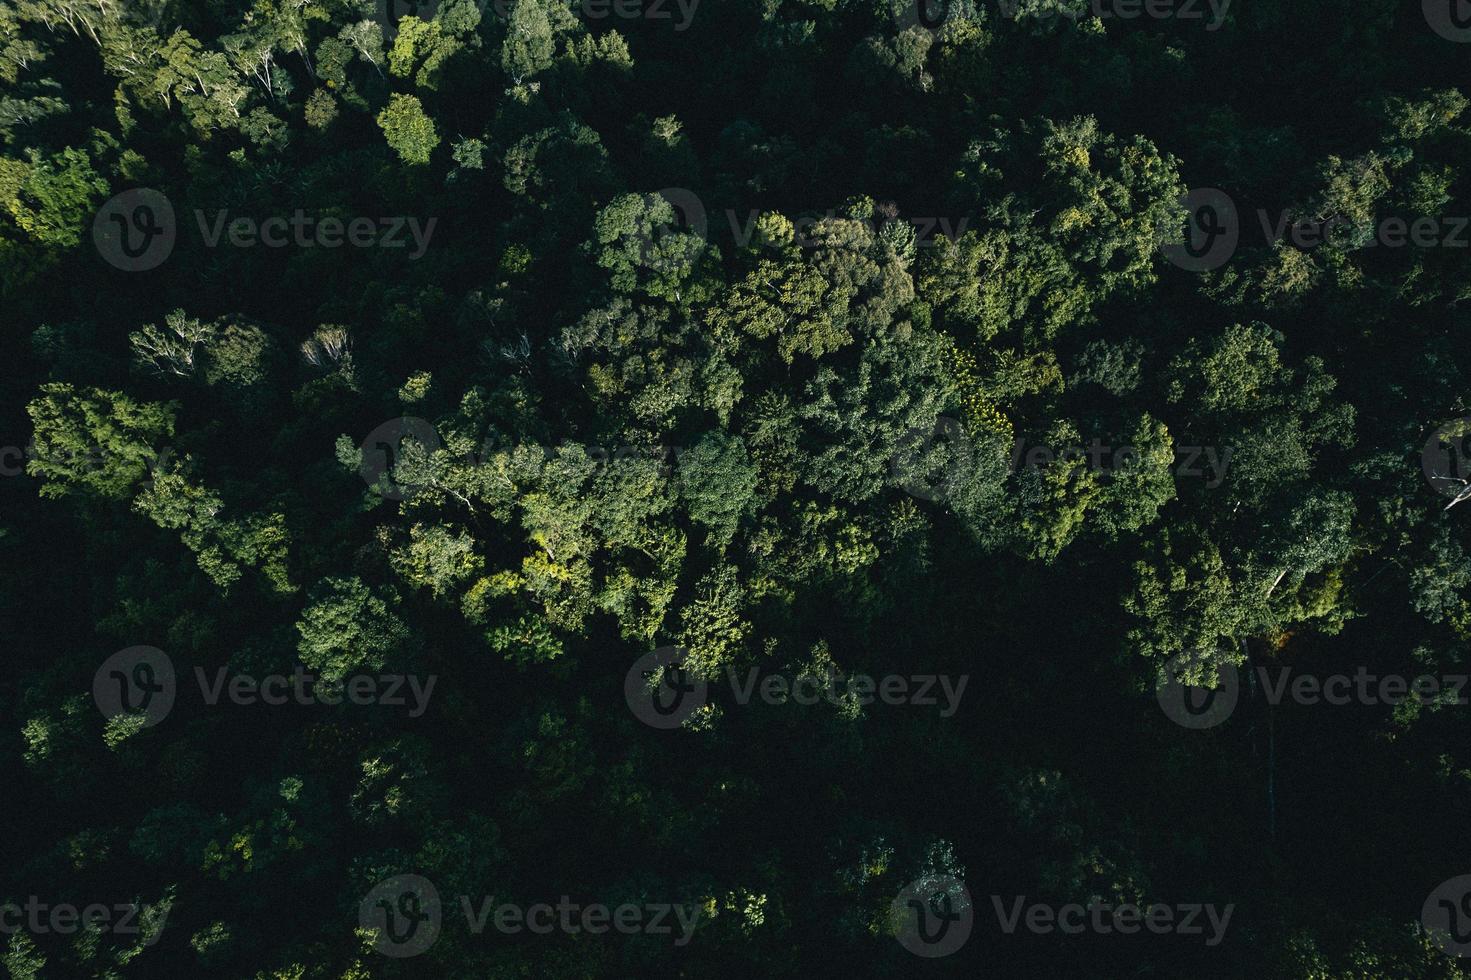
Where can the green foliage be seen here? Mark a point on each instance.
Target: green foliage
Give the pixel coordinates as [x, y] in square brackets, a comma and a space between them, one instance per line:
[636, 241]
[717, 481]
[409, 131]
[529, 40]
[51, 198]
[94, 441]
[349, 627]
[780, 414]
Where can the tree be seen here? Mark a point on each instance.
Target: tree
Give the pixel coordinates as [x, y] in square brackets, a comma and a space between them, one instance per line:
[170, 349]
[529, 41]
[348, 627]
[637, 243]
[51, 198]
[717, 482]
[409, 131]
[95, 441]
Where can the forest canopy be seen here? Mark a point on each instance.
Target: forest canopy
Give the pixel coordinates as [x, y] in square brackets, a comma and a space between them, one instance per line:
[641, 488]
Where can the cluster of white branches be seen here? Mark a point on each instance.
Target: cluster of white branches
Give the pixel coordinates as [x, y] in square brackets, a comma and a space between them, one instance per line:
[330, 346]
[170, 349]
